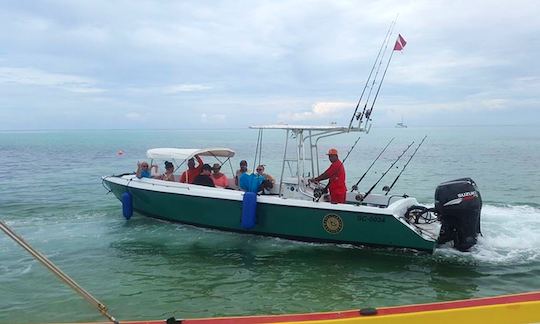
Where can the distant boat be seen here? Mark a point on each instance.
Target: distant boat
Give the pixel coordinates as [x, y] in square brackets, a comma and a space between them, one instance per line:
[401, 124]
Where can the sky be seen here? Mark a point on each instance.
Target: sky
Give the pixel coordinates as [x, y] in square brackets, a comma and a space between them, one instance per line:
[230, 64]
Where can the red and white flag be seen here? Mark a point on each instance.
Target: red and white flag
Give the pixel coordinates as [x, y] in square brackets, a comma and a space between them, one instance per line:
[400, 43]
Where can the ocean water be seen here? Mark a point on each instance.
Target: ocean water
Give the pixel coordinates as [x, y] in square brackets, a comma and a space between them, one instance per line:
[51, 194]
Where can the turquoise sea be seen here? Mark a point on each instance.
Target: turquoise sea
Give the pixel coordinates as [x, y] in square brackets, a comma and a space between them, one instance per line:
[51, 194]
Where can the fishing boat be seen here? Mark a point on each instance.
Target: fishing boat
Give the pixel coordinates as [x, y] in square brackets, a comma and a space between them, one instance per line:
[298, 209]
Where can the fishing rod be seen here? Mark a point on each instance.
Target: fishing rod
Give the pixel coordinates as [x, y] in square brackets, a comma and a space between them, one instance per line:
[352, 148]
[403, 169]
[355, 187]
[361, 116]
[389, 168]
[54, 269]
[399, 45]
[386, 37]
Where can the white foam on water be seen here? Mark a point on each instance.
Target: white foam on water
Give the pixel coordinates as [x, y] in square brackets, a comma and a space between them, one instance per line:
[26, 269]
[511, 235]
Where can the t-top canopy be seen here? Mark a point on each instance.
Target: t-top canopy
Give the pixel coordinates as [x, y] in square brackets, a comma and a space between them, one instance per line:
[186, 154]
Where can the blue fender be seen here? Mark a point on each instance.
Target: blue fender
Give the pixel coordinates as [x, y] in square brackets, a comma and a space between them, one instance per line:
[127, 205]
[249, 210]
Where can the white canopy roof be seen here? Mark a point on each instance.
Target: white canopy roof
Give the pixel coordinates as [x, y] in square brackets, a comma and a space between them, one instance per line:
[186, 154]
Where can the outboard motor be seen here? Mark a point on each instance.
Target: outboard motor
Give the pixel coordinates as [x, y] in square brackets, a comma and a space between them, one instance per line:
[458, 204]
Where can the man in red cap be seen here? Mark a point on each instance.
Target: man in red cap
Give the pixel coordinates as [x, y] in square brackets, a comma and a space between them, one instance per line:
[336, 178]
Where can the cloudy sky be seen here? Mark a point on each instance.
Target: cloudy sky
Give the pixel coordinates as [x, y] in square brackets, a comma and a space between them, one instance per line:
[198, 64]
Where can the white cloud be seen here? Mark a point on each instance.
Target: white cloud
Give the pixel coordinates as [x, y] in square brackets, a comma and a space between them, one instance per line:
[35, 77]
[265, 61]
[438, 68]
[320, 110]
[478, 104]
[526, 85]
[134, 116]
[84, 89]
[213, 118]
[495, 104]
[90, 34]
[179, 88]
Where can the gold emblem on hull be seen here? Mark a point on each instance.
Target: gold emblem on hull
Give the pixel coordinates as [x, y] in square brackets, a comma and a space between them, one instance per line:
[332, 223]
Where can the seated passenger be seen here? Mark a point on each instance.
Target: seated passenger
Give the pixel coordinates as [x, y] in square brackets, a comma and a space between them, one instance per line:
[189, 175]
[220, 179]
[169, 172]
[250, 182]
[204, 178]
[243, 169]
[255, 182]
[143, 171]
[266, 176]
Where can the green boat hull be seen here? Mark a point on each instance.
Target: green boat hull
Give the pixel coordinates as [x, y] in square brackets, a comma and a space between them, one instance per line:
[276, 219]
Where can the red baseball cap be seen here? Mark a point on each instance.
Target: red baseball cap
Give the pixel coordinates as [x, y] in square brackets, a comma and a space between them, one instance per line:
[332, 151]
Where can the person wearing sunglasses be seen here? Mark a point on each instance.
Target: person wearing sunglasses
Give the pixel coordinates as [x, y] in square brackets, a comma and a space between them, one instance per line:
[144, 170]
[267, 180]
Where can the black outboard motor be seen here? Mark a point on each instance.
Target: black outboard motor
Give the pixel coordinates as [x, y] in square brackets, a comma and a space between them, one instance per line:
[458, 204]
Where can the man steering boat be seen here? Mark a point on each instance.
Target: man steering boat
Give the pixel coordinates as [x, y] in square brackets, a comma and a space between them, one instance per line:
[336, 178]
